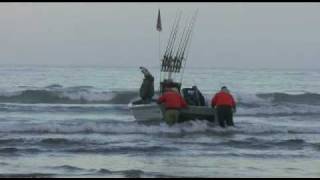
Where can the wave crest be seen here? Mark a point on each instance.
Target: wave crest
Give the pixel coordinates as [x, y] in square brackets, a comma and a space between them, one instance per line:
[57, 94]
[305, 98]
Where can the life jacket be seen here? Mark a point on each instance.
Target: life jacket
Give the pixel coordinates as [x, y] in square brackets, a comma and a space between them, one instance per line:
[223, 98]
[172, 100]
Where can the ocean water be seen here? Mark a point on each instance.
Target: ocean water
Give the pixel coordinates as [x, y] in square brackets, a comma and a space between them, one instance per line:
[75, 122]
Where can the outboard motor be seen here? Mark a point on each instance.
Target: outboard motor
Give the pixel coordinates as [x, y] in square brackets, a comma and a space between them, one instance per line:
[193, 96]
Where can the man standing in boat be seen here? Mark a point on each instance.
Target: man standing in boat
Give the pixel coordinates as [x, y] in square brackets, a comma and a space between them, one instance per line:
[147, 86]
[173, 103]
[225, 105]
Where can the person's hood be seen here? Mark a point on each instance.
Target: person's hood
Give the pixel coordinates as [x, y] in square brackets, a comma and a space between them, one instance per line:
[144, 71]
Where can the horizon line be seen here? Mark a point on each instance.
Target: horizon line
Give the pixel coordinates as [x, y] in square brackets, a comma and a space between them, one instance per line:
[134, 66]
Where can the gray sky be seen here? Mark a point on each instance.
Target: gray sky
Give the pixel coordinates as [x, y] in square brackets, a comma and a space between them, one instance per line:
[236, 35]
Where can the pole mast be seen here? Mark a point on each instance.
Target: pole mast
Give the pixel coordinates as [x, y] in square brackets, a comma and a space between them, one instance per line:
[159, 29]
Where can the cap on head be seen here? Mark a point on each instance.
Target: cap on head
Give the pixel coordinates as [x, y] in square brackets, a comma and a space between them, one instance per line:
[223, 87]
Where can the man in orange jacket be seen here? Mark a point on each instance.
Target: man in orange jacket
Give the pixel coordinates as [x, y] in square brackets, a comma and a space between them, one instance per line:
[173, 102]
[225, 105]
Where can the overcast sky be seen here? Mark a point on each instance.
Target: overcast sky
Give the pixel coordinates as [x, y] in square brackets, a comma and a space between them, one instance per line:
[235, 35]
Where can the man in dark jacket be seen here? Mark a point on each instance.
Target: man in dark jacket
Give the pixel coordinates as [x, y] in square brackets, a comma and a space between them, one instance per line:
[147, 86]
[225, 105]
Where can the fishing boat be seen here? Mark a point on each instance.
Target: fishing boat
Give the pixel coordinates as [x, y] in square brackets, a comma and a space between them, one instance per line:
[173, 63]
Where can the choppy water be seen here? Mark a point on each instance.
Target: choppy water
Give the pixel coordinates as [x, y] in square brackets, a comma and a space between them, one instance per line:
[74, 122]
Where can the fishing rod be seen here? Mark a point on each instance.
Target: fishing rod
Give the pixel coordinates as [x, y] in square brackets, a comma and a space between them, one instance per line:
[179, 55]
[170, 58]
[175, 34]
[177, 58]
[182, 48]
[172, 32]
[177, 48]
[172, 48]
[169, 42]
[166, 61]
[188, 35]
[189, 43]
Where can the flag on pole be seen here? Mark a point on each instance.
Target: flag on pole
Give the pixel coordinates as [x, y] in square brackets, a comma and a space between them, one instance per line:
[159, 26]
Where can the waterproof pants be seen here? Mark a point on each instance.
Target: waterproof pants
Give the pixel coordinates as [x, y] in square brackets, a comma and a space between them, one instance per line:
[171, 116]
[225, 116]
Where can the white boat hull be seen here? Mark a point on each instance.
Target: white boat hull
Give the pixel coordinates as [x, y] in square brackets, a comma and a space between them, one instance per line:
[153, 112]
[146, 112]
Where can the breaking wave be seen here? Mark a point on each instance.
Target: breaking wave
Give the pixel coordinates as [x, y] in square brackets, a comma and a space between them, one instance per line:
[56, 98]
[57, 94]
[132, 127]
[12, 150]
[278, 104]
[123, 150]
[61, 108]
[255, 143]
[305, 98]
